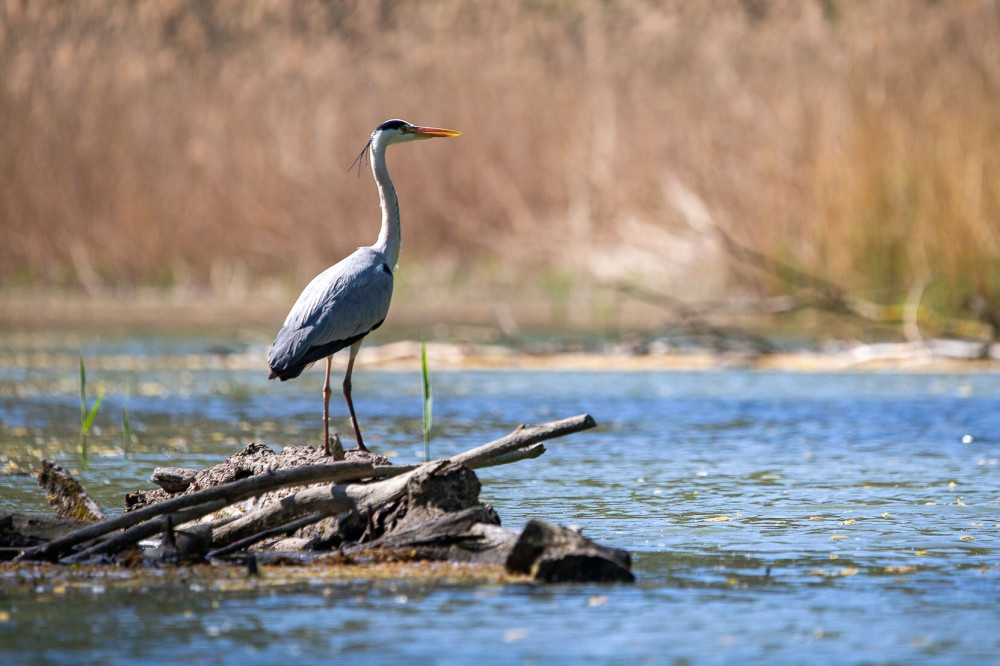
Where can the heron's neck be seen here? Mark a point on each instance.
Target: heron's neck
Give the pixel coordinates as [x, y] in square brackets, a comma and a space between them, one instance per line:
[389, 237]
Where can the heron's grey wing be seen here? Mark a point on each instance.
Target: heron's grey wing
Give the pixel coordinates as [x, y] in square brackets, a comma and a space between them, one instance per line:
[338, 307]
[358, 303]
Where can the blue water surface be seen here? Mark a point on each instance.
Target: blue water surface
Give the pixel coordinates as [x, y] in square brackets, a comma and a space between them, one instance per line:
[773, 517]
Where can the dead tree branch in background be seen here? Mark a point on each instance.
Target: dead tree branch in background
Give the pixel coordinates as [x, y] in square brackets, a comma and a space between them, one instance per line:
[812, 292]
[827, 295]
[698, 320]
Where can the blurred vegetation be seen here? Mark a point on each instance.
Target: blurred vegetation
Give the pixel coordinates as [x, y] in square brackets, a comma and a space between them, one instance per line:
[183, 142]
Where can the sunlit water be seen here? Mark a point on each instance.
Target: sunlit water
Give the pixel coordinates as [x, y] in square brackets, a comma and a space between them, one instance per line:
[773, 517]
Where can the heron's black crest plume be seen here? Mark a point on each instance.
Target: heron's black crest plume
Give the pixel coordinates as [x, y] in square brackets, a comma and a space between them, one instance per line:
[395, 124]
[363, 158]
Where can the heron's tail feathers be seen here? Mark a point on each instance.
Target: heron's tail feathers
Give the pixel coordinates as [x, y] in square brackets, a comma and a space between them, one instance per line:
[292, 352]
[290, 373]
[286, 355]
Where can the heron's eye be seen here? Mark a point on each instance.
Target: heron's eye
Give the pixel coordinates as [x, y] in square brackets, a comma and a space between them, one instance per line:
[405, 129]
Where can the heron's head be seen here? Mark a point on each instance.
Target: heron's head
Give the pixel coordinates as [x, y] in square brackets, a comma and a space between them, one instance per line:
[398, 131]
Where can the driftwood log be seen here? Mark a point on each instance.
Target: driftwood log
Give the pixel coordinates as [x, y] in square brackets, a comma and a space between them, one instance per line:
[202, 502]
[299, 500]
[364, 497]
[20, 531]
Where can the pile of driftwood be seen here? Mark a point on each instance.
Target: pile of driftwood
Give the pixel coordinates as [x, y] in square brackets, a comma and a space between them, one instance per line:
[298, 502]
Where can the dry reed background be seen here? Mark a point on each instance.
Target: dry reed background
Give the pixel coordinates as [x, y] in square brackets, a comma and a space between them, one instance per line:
[206, 144]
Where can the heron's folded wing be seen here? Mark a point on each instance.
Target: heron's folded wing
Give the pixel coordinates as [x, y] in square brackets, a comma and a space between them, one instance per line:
[345, 301]
[355, 310]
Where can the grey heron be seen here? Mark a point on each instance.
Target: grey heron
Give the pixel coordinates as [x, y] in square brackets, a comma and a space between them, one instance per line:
[349, 300]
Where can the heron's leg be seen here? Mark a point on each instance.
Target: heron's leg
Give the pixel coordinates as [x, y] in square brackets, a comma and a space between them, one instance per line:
[326, 408]
[347, 394]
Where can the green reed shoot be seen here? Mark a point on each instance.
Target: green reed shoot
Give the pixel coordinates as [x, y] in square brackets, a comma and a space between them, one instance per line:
[86, 416]
[428, 401]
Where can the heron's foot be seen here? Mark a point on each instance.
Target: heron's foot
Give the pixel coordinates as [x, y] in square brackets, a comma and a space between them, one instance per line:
[334, 447]
[361, 446]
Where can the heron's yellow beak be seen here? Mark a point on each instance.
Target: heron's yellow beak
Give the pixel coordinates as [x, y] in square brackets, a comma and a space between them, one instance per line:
[435, 131]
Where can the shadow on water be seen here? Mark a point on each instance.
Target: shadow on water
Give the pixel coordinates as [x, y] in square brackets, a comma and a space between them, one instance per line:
[779, 517]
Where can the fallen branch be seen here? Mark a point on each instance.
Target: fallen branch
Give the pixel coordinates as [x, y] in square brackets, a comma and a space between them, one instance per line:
[287, 528]
[532, 451]
[522, 444]
[305, 506]
[19, 531]
[230, 493]
[438, 538]
[522, 437]
[326, 500]
[137, 533]
[338, 498]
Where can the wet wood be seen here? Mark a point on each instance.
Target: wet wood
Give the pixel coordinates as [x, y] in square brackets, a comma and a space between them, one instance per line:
[133, 535]
[426, 511]
[253, 539]
[556, 554]
[22, 530]
[254, 460]
[340, 498]
[328, 500]
[66, 496]
[227, 493]
[527, 453]
[460, 536]
[523, 437]
[173, 479]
